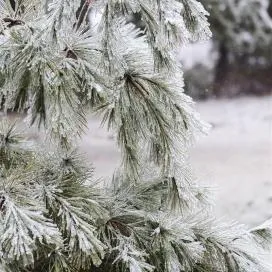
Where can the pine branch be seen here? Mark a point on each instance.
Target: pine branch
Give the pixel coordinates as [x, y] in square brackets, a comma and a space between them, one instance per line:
[263, 234]
[75, 214]
[24, 228]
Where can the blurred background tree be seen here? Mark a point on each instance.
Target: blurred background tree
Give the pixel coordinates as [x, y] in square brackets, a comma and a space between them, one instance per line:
[242, 38]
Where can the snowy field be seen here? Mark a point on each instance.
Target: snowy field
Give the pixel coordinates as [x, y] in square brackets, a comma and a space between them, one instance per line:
[235, 158]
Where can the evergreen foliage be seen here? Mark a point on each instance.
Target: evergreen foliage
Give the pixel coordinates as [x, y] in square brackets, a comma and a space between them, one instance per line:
[242, 31]
[57, 66]
[244, 26]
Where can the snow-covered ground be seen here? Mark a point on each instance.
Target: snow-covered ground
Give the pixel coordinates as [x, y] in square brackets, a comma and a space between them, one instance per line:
[235, 158]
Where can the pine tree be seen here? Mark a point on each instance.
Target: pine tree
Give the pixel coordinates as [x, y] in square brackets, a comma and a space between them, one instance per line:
[57, 65]
[243, 35]
[244, 26]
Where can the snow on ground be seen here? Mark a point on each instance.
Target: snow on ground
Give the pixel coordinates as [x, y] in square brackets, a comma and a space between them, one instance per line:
[235, 158]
